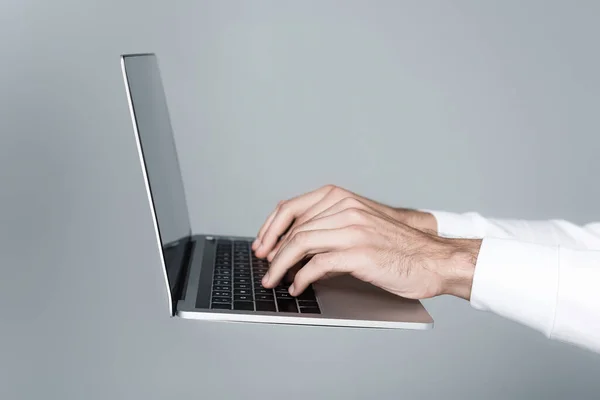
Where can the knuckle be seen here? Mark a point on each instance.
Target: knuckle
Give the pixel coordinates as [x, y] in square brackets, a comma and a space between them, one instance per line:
[320, 259]
[338, 192]
[349, 202]
[355, 213]
[323, 261]
[358, 231]
[298, 237]
[300, 221]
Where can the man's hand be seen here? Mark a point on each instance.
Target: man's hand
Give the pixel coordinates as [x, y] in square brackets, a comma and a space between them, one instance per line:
[352, 237]
[294, 212]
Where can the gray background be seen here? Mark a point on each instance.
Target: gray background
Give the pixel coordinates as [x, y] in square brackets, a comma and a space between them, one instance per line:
[472, 105]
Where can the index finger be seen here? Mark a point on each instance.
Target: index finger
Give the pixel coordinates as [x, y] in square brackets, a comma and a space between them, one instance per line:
[283, 218]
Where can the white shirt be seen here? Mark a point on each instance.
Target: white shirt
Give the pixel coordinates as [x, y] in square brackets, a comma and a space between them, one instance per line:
[543, 274]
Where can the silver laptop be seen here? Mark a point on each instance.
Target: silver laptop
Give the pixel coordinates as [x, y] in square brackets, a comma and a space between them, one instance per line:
[210, 277]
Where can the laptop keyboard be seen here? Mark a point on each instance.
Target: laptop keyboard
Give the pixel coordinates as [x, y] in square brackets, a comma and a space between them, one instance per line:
[237, 284]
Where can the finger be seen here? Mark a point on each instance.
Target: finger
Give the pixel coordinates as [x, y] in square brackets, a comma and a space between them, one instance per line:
[285, 215]
[257, 242]
[308, 243]
[349, 210]
[321, 266]
[330, 199]
[349, 203]
[341, 219]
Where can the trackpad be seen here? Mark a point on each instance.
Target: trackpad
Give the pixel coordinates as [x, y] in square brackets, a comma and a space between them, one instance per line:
[347, 297]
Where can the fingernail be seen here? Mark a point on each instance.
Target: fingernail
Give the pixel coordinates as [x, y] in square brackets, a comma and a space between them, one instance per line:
[265, 279]
[255, 243]
[291, 289]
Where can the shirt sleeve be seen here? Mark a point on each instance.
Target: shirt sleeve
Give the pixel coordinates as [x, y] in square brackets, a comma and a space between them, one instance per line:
[549, 288]
[551, 232]
[542, 274]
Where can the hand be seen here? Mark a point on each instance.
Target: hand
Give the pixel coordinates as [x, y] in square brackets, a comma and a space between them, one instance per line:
[351, 237]
[294, 212]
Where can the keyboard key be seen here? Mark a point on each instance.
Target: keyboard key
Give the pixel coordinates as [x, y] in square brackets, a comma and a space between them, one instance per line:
[243, 305]
[310, 310]
[264, 297]
[221, 306]
[243, 291]
[243, 298]
[242, 286]
[285, 295]
[226, 300]
[263, 291]
[307, 303]
[308, 294]
[221, 287]
[286, 305]
[265, 306]
[222, 294]
[222, 272]
[241, 275]
[222, 282]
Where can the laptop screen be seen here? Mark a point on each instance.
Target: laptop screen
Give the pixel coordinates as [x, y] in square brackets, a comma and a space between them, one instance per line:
[158, 147]
[151, 118]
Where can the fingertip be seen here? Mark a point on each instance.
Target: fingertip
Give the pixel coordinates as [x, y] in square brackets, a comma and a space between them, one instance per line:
[265, 281]
[260, 251]
[256, 244]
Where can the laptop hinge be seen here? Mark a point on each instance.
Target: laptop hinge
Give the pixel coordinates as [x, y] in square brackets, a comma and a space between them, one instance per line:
[180, 281]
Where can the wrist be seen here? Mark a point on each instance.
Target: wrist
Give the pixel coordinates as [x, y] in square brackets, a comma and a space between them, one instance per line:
[458, 267]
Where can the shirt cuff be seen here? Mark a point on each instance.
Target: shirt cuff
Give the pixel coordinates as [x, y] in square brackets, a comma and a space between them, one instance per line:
[518, 281]
[577, 318]
[453, 225]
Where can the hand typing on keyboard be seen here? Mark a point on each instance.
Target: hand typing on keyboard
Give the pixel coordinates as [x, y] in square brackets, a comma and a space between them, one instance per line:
[342, 233]
[237, 284]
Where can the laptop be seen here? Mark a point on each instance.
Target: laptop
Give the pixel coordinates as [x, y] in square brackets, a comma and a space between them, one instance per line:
[218, 278]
